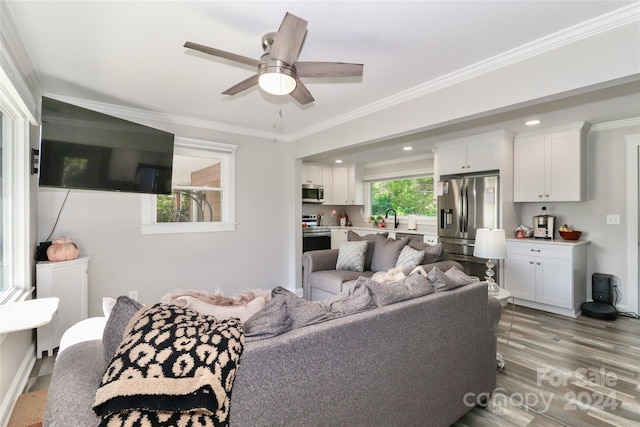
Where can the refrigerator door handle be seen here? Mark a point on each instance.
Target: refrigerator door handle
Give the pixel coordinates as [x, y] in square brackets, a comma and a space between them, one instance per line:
[461, 209]
[465, 214]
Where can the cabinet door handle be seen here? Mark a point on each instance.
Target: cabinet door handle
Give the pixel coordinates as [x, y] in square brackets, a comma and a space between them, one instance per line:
[538, 263]
[540, 196]
[535, 250]
[546, 195]
[530, 262]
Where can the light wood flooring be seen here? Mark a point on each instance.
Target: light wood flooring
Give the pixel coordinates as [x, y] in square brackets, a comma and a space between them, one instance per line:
[561, 371]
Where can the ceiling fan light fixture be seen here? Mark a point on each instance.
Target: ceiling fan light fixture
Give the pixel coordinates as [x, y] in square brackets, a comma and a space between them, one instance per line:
[277, 80]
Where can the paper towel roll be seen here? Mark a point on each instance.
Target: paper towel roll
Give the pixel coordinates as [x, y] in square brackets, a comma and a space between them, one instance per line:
[412, 222]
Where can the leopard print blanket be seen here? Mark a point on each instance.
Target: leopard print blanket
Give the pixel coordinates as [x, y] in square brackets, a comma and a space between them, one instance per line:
[174, 367]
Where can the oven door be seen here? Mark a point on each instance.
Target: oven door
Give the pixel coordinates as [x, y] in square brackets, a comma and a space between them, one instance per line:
[317, 241]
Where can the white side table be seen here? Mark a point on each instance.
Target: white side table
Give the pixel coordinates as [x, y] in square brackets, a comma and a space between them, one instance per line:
[23, 315]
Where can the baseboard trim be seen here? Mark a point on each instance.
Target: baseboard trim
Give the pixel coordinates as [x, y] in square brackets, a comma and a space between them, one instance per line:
[17, 385]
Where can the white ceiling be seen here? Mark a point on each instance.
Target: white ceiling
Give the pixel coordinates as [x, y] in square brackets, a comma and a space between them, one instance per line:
[131, 54]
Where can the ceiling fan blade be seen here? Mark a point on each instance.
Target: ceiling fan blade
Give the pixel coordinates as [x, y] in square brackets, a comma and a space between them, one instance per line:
[328, 69]
[222, 54]
[243, 85]
[301, 93]
[289, 38]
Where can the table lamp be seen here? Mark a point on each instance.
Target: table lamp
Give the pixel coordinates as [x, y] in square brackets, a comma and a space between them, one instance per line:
[490, 244]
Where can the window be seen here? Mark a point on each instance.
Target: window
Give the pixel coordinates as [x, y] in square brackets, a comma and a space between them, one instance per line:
[15, 249]
[203, 191]
[408, 196]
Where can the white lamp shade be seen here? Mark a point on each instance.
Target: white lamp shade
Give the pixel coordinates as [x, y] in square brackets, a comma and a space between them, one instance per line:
[490, 244]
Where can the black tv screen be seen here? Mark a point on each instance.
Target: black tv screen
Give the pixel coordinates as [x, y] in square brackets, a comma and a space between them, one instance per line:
[84, 149]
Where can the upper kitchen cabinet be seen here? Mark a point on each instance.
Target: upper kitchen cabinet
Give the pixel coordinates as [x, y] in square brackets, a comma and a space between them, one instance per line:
[474, 154]
[312, 174]
[348, 188]
[550, 165]
[469, 155]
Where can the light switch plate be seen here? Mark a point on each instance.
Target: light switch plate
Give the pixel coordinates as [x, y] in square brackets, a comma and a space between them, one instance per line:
[613, 219]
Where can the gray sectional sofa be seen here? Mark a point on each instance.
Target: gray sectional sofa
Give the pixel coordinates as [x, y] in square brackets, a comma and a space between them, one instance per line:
[321, 279]
[422, 361]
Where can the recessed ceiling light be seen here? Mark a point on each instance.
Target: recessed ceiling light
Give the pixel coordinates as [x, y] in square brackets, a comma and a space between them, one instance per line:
[407, 148]
[532, 122]
[338, 161]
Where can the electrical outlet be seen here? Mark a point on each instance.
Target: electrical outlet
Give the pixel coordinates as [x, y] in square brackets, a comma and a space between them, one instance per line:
[613, 219]
[133, 295]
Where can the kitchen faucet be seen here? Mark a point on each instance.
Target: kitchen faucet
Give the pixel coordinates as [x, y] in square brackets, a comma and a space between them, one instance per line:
[395, 217]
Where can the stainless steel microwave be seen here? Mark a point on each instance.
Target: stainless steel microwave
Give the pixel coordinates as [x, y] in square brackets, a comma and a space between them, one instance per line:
[312, 193]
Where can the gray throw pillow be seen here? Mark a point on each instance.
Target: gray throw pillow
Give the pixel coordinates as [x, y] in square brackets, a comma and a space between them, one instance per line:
[352, 300]
[272, 320]
[303, 312]
[452, 279]
[119, 318]
[351, 256]
[386, 253]
[432, 253]
[370, 238]
[409, 257]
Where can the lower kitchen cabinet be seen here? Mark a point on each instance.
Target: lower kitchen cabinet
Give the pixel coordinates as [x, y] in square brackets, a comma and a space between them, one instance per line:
[547, 275]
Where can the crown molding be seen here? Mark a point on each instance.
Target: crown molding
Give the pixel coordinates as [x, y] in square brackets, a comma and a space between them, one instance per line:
[581, 31]
[139, 114]
[617, 124]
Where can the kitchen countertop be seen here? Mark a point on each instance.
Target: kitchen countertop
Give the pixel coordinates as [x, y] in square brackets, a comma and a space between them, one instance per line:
[558, 241]
[382, 230]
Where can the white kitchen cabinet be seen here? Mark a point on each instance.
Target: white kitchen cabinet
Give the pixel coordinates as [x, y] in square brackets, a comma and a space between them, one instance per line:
[312, 174]
[338, 236]
[327, 182]
[548, 276]
[477, 154]
[68, 281]
[550, 165]
[348, 188]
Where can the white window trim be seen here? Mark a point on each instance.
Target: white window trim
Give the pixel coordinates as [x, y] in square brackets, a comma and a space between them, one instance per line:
[195, 147]
[16, 205]
[420, 220]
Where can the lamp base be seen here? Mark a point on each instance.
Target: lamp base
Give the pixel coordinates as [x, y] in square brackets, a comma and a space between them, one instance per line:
[494, 288]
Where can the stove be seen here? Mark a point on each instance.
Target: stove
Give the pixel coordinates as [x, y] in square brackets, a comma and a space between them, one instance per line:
[310, 226]
[314, 236]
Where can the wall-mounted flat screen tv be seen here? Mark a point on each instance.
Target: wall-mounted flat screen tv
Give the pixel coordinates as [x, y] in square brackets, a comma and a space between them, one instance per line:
[84, 149]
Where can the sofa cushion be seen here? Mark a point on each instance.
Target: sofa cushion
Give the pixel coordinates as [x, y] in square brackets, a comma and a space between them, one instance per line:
[453, 278]
[370, 238]
[432, 253]
[409, 257]
[333, 281]
[121, 313]
[386, 252]
[301, 312]
[412, 286]
[351, 256]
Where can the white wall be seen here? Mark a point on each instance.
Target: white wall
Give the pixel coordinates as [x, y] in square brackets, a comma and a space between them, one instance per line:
[606, 194]
[106, 227]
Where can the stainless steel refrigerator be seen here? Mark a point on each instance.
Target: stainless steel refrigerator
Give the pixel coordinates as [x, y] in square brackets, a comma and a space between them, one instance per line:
[465, 205]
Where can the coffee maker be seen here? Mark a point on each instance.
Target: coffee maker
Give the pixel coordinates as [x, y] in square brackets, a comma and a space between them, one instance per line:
[544, 225]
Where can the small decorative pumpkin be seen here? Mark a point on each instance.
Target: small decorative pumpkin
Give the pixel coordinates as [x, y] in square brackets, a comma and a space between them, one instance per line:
[62, 249]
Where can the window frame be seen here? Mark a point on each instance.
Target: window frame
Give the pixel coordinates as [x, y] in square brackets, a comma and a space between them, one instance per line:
[16, 193]
[197, 147]
[415, 173]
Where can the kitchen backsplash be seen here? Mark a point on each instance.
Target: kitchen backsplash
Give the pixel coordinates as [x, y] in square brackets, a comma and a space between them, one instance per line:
[330, 213]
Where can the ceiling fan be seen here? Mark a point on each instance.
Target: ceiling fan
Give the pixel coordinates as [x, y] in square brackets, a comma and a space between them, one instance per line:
[278, 71]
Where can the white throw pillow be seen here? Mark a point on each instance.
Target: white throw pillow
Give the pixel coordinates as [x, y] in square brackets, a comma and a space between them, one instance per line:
[409, 257]
[351, 256]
